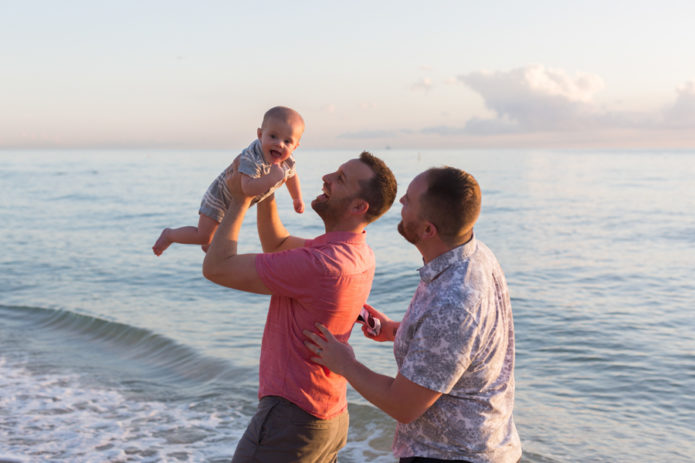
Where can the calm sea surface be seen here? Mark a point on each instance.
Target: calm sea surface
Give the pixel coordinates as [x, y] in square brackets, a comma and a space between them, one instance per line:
[110, 354]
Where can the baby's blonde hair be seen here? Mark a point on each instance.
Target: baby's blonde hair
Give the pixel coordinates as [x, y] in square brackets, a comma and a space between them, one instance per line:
[283, 113]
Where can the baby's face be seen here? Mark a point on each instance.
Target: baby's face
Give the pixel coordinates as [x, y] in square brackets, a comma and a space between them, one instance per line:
[279, 139]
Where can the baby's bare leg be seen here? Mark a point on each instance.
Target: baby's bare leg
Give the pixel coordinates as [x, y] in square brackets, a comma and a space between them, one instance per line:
[202, 234]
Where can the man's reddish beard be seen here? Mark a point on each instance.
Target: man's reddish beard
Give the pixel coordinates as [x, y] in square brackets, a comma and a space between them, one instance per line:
[408, 232]
[331, 211]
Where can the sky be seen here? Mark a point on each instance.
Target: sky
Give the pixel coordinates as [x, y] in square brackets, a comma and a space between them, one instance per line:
[363, 74]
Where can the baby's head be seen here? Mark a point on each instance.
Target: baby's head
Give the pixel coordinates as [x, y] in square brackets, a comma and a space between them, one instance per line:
[280, 133]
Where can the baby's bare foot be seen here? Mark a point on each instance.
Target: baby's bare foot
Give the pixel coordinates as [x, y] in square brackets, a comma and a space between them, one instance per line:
[162, 243]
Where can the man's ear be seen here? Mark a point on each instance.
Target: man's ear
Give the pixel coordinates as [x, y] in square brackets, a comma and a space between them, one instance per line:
[430, 230]
[359, 206]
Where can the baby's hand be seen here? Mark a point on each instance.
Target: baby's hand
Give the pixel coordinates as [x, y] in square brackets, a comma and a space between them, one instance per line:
[298, 205]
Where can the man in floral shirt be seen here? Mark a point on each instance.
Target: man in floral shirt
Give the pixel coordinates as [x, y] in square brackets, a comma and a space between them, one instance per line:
[453, 396]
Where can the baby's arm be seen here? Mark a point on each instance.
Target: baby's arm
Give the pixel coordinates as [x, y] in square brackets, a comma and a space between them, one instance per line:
[257, 186]
[296, 193]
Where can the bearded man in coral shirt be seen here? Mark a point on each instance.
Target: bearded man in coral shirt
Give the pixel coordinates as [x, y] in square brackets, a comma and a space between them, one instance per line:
[302, 411]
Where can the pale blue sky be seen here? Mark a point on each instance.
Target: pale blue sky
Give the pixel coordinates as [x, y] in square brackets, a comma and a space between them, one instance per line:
[364, 74]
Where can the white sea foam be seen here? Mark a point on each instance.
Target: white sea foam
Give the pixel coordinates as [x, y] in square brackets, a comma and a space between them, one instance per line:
[48, 417]
[51, 417]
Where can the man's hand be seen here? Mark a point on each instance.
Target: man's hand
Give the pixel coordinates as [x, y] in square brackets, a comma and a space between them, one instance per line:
[276, 174]
[388, 326]
[401, 398]
[330, 352]
[233, 179]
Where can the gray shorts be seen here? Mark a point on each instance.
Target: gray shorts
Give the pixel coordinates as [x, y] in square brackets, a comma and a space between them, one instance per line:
[216, 199]
[282, 432]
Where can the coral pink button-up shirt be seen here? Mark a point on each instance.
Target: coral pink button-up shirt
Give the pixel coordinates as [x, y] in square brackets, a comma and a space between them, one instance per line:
[326, 281]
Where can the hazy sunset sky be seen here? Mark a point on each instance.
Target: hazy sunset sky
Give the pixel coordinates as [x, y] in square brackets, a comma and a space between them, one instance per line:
[364, 74]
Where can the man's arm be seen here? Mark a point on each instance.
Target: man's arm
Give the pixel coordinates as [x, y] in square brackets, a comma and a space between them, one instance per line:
[272, 233]
[399, 397]
[222, 264]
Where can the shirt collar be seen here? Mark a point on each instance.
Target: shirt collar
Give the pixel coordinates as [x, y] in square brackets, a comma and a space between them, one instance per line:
[340, 237]
[431, 270]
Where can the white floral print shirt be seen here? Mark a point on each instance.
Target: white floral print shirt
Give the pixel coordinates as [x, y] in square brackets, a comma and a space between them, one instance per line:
[457, 338]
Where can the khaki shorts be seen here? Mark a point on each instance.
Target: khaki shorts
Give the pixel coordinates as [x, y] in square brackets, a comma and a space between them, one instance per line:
[282, 432]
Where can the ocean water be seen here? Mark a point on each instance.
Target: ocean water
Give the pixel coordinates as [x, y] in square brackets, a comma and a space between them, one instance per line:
[110, 354]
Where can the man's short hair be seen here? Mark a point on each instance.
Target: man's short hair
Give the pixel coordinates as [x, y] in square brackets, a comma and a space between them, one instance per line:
[451, 202]
[380, 190]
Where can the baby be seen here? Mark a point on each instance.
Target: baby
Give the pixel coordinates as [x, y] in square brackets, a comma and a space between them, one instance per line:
[265, 165]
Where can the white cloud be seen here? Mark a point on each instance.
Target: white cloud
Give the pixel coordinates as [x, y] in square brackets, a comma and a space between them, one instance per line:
[535, 98]
[536, 105]
[556, 82]
[682, 113]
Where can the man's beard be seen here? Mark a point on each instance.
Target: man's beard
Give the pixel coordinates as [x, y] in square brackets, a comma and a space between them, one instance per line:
[331, 211]
[408, 232]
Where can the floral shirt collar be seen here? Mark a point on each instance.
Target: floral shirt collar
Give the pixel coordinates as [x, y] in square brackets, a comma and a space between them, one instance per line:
[431, 270]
